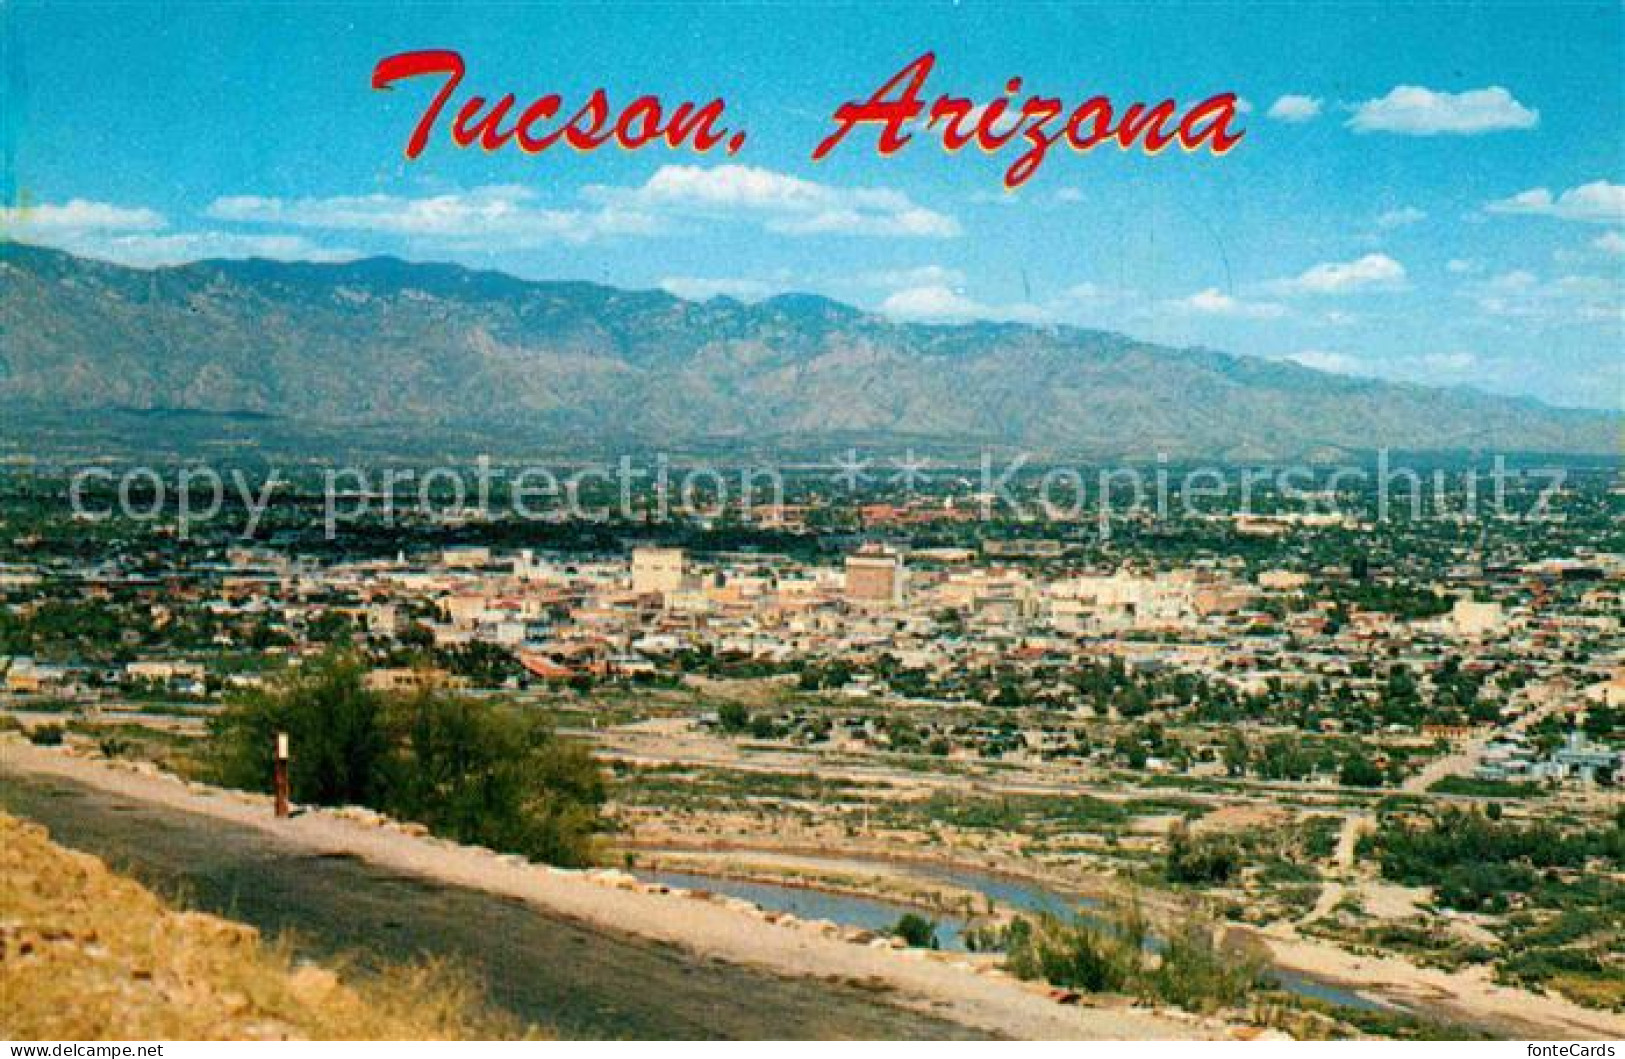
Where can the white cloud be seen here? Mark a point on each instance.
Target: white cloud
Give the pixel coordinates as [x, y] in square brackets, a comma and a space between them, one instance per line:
[175, 248]
[996, 196]
[1453, 366]
[1400, 218]
[1461, 266]
[1456, 362]
[1412, 110]
[781, 203]
[704, 288]
[501, 216]
[141, 237]
[1069, 194]
[934, 302]
[1599, 202]
[507, 217]
[1570, 300]
[1295, 109]
[1325, 360]
[1214, 302]
[153, 249]
[938, 303]
[1369, 273]
[77, 215]
[1094, 292]
[1609, 243]
[924, 276]
[936, 294]
[1517, 279]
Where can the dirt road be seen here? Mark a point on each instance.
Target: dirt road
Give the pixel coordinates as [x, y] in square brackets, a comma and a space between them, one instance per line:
[580, 980]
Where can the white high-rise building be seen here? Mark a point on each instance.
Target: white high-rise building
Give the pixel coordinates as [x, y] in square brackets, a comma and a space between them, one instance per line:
[657, 570]
[874, 575]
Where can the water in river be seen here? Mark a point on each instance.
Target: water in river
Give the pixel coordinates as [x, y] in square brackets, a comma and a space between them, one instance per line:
[869, 913]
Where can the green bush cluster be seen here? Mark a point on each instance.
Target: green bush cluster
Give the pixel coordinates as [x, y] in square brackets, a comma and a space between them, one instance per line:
[1201, 860]
[916, 931]
[1190, 968]
[47, 735]
[471, 770]
[1474, 862]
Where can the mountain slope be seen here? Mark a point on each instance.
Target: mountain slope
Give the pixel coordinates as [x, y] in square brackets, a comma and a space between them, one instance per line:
[438, 348]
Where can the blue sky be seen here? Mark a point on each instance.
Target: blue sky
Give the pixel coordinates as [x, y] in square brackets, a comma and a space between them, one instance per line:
[1428, 192]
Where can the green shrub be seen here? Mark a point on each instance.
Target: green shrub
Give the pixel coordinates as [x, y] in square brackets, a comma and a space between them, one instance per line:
[488, 774]
[335, 730]
[472, 770]
[1475, 862]
[1198, 974]
[1477, 788]
[733, 716]
[916, 930]
[1359, 771]
[113, 745]
[1075, 955]
[47, 735]
[1201, 860]
[1542, 964]
[1111, 954]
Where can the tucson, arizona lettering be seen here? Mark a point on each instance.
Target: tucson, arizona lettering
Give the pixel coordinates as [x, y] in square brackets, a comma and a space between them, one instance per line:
[897, 112]
[1034, 126]
[495, 125]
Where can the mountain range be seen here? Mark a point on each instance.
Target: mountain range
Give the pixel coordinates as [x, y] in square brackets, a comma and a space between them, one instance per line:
[437, 352]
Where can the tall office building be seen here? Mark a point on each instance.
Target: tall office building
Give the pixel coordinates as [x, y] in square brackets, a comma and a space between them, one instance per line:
[657, 570]
[874, 575]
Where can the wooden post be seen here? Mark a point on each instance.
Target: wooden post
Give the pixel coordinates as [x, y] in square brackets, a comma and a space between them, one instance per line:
[281, 774]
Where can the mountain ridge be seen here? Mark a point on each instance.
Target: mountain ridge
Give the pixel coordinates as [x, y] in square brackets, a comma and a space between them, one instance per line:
[435, 347]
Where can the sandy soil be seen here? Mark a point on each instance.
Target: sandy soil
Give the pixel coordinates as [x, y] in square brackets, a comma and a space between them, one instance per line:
[1470, 995]
[947, 986]
[86, 954]
[1386, 900]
